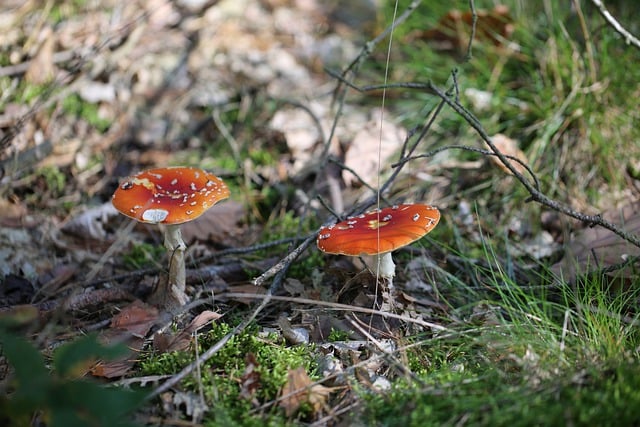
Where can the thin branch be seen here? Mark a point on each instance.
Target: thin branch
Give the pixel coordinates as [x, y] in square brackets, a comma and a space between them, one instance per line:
[628, 37]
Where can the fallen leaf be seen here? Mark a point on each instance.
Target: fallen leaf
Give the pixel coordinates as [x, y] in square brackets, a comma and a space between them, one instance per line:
[42, 68]
[91, 223]
[509, 147]
[372, 146]
[250, 379]
[164, 342]
[129, 327]
[300, 389]
[248, 290]
[596, 247]
[137, 318]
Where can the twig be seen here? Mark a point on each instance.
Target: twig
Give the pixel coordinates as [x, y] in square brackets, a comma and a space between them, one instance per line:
[475, 150]
[534, 192]
[628, 37]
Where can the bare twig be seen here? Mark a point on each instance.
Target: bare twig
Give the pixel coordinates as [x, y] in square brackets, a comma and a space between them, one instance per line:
[628, 37]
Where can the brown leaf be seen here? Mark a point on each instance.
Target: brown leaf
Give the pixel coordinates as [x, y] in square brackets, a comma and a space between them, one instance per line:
[137, 318]
[300, 389]
[128, 327]
[120, 366]
[371, 146]
[250, 380]
[42, 68]
[248, 290]
[164, 342]
[509, 147]
[596, 247]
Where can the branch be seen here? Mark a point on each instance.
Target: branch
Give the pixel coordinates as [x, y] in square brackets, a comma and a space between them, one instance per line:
[628, 37]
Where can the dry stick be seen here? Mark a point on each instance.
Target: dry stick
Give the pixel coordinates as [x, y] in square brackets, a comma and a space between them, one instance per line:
[628, 37]
[475, 150]
[338, 307]
[474, 23]
[206, 258]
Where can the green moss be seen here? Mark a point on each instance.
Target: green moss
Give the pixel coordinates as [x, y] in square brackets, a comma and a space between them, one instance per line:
[221, 375]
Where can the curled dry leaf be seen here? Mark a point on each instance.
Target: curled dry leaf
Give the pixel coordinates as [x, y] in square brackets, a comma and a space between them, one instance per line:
[300, 389]
[91, 223]
[509, 147]
[219, 225]
[173, 342]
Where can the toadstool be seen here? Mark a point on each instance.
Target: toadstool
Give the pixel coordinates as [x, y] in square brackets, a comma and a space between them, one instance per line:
[170, 196]
[379, 232]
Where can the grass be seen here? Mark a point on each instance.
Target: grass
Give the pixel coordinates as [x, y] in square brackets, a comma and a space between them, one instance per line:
[525, 361]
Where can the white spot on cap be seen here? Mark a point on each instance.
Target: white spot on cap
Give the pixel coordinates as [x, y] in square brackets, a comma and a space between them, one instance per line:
[155, 215]
[416, 217]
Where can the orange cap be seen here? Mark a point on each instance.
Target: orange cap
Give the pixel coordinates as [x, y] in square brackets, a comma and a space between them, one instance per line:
[379, 231]
[169, 195]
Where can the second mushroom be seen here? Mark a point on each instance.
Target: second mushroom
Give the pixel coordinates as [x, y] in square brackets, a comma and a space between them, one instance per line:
[379, 232]
[170, 196]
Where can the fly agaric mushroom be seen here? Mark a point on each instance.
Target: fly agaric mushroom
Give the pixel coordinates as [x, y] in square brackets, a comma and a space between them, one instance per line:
[170, 196]
[379, 233]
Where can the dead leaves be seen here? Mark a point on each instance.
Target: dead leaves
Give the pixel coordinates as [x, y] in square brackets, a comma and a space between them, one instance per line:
[299, 389]
[131, 327]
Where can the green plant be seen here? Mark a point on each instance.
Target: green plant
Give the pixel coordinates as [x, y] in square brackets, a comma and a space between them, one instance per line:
[58, 395]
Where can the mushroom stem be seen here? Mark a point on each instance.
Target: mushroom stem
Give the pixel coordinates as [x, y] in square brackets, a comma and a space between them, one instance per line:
[387, 270]
[386, 266]
[173, 292]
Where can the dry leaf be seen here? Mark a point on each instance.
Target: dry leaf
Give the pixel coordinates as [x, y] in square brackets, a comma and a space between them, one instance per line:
[596, 247]
[248, 290]
[92, 222]
[509, 147]
[454, 29]
[250, 380]
[164, 342]
[300, 389]
[372, 146]
[129, 327]
[137, 318]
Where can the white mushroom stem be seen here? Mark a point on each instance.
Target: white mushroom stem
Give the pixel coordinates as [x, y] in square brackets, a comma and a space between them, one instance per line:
[386, 267]
[176, 285]
[387, 270]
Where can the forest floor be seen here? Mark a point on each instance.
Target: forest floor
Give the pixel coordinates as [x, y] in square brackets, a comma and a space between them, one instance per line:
[519, 308]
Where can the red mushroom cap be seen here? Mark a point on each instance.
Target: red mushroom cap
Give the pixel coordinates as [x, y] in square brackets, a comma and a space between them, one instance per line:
[169, 195]
[379, 231]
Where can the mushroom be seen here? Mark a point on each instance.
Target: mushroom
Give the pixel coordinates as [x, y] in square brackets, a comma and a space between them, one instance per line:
[379, 232]
[170, 196]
